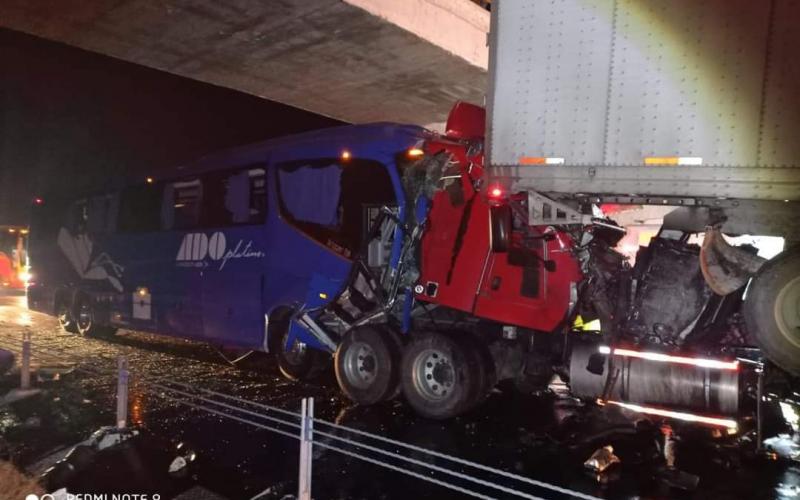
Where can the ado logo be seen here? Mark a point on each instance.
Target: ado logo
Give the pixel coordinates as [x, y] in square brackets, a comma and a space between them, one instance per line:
[196, 247]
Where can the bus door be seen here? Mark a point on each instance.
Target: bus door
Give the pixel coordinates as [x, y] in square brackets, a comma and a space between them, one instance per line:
[177, 292]
[234, 208]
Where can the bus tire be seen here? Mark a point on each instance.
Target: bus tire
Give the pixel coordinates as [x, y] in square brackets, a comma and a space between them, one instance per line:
[771, 310]
[66, 320]
[298, 362]
[437, 379]
[367, 364]
[86, 319]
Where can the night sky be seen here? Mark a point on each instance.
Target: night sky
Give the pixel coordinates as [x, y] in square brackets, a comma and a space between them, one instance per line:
[75, 120]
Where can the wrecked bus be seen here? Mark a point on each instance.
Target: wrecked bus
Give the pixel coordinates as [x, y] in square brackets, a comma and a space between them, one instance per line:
[235, 249]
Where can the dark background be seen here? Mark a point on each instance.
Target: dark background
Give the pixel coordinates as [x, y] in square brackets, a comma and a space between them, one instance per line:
[74, 120]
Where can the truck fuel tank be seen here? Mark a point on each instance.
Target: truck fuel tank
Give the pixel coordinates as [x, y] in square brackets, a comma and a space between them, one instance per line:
[657, 379]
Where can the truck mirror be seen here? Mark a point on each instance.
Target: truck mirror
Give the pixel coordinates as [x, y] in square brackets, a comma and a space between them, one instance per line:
[501, 228]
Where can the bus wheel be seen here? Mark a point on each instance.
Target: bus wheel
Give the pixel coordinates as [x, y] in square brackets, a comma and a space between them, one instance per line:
[772, 310]
[85, 320]
[65, 318]
[436, 377]
[296, 361]
[367, 364]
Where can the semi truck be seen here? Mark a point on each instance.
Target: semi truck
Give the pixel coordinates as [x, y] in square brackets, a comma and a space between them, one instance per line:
[689, 105]
[437, 265]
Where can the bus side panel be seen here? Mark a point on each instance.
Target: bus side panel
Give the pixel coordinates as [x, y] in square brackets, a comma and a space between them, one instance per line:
[233, 280]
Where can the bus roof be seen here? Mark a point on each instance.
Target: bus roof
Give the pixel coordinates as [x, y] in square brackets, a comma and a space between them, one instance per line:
[375, 141]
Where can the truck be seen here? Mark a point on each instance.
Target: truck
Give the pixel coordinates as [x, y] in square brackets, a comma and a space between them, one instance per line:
[437, 265]
[688, 105]
[14, 275]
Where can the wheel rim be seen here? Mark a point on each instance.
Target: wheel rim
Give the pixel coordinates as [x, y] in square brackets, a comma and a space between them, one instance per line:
[434, 375]
[360, 365]
[787, 311]
[84, 319]
[296, 354]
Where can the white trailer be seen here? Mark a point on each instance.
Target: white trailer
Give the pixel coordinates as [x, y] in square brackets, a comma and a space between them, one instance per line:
[693, 104]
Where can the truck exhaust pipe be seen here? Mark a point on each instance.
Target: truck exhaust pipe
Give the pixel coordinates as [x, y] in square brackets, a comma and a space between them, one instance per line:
[641, 379]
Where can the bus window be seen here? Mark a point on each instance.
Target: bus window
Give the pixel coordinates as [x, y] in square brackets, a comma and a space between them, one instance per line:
[182, 204]
[139, 208]
[328, 201]
[234, 197]
[258, 195]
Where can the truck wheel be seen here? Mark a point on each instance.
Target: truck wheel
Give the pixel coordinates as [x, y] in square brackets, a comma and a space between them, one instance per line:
[65, 318]
[297, 361]
[772, 310]
[86, 320]
[436, 377]
[367, 364]
[480, 358]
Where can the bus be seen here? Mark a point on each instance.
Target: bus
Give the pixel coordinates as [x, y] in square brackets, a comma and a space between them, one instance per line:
[241, 249]
[14, 275]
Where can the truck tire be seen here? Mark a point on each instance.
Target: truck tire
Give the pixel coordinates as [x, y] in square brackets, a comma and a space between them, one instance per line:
[66, 320]
[86, 322]
[485, 374]
[367, 364]
[772, 310]
[298, 362]
[437, 379]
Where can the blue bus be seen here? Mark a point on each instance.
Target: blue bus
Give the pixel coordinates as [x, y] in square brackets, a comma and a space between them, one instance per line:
[247, 248]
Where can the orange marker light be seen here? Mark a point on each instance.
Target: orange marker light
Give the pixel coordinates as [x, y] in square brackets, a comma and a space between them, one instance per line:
[149, 180]
[415, 153]
[541, 160]
[346, 155]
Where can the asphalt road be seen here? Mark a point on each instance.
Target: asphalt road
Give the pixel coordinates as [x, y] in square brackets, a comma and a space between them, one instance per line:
[545, 438]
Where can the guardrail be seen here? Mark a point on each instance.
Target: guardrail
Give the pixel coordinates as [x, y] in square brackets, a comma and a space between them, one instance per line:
[473, 479]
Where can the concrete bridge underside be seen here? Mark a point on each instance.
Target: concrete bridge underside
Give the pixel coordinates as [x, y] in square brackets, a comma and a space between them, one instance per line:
[356, 60]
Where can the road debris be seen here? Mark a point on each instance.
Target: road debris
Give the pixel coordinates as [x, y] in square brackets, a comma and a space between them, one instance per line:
[602, 459]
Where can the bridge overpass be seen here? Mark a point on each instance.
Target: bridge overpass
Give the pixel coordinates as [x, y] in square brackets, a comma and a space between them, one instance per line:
[355, 60]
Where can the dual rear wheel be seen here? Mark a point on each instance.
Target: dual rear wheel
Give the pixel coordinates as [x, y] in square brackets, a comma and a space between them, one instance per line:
[441, 375]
